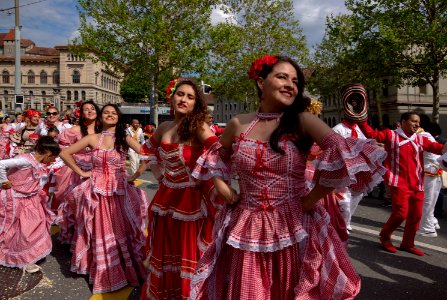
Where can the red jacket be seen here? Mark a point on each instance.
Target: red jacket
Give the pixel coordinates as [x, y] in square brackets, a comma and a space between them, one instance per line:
[404, 162]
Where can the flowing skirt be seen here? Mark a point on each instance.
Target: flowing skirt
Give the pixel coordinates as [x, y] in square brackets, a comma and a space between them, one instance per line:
[24, 229]
[108, 243]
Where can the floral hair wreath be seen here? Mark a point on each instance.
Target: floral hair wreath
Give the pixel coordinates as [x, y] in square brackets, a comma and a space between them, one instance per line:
[258, 65]
[172, 87]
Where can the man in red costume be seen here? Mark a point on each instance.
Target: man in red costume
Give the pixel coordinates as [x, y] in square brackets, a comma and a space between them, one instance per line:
[405, 176]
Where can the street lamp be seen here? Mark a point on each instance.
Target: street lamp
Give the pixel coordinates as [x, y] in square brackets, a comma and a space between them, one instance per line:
[206, 88]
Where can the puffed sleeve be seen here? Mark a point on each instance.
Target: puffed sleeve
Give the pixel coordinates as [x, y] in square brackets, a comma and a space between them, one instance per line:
[150, 153]
[353, 163]
[214, 162]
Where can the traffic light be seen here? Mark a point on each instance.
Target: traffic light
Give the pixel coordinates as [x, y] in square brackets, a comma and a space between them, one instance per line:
[19, 99]
[18, 103]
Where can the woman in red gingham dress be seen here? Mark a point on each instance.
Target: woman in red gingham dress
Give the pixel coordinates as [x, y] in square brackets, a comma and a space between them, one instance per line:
[110, 213]
[275, 240]
[182, 211]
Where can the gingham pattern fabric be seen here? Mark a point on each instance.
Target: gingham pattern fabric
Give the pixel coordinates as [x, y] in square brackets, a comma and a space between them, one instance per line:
[266, 236]
[110, 218]
[25, 219]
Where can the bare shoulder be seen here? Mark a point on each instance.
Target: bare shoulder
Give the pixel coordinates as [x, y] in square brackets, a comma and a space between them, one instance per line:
[164, 126]
[242, 119]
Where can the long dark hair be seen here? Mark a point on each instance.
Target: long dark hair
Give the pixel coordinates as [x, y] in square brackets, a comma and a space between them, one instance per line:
[120, 131]
[82, 124]
[289, 124]
[193, 121]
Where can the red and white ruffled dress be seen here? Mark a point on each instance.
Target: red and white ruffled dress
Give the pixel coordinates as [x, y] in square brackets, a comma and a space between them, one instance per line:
[64, 180]
[25, 219]
[110, 217]
[264, 246]
[5, 143]
[181, 218]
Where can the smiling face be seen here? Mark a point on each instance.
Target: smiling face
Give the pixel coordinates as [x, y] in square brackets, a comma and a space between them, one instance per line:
[52, 115]
[89, 112]
[109, 116]
[184, 99]
[411, 125]
[280, 87]
[34, 120]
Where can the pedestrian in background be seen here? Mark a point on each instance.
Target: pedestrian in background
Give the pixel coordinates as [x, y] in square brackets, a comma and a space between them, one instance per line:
[136, 133]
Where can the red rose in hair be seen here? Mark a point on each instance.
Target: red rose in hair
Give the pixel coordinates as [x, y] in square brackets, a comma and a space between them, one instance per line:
[172, 86]
[258, 64]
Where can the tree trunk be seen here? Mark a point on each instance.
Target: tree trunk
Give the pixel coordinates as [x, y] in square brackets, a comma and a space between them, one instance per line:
[435, 114]
[378, 100]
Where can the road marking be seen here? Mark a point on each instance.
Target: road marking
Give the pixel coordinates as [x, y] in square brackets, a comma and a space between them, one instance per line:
[398, 238]
[117, 295]
[147, 181]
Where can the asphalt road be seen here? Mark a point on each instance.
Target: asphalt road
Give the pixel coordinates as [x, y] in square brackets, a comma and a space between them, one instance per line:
[384, 275]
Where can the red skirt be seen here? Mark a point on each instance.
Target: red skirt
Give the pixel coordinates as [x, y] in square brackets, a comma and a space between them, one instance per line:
[180, 227]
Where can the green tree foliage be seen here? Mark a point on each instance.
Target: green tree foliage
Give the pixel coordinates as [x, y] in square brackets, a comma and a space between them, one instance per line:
[158, 39]
[254, 28]
[408, 37]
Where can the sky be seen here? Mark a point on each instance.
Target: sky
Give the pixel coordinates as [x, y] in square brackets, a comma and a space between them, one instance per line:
[49, 23]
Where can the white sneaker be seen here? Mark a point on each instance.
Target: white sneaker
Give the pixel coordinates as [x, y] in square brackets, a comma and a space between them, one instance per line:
[428, 234]
[437, 227]
[33, 268]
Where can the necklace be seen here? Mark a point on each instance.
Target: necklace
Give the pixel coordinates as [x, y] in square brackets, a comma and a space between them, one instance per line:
[108, 133]
[269, 116]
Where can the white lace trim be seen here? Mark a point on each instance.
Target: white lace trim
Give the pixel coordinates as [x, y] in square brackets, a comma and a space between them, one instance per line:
[179, 216]
[179, 185]
[256, 246]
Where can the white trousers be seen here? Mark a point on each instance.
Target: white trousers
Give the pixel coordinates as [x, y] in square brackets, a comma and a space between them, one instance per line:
[348, 205]
[134, 159]
[432, 187]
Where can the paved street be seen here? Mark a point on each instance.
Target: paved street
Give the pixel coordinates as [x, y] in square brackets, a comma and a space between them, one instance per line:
[384, 275]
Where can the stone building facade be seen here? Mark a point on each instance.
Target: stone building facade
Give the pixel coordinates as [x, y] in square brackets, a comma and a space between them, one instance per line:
[53, 75]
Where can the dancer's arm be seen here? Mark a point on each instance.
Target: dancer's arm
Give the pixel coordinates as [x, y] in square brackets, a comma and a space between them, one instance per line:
[67, 154]
[228, 194]
[6, 164]
[380, 136]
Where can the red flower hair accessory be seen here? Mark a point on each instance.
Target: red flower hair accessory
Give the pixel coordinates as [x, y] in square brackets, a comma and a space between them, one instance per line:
[31, 113]
[172, 86]
[79, 103]
[258, 64]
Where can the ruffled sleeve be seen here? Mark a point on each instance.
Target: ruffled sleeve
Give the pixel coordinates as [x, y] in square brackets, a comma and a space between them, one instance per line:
[150, 153]
[353, 163]
[214, 162]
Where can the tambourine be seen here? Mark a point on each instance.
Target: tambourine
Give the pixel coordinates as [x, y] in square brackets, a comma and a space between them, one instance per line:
[354, 102]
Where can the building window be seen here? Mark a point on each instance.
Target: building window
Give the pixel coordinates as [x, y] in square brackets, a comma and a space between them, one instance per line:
[76, 95]
[68, 95]
[31, 77]
[55, 77]
[5, 77]
[83, 97]
[43, 77]
[76, 77]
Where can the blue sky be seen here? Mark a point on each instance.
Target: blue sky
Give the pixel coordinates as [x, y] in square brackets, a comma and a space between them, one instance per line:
[54, 22]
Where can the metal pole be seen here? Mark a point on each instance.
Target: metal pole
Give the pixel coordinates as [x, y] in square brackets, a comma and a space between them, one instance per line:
[18, 73]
